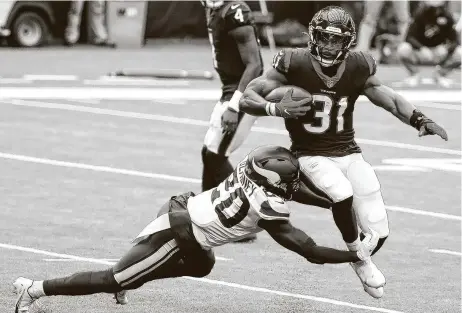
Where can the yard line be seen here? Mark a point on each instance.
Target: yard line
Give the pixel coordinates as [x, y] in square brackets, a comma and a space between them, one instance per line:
[180, 179]
[219, 258]
[188, 121]
[178, 93]
[51, 77]
[212, 281]
[445, 252]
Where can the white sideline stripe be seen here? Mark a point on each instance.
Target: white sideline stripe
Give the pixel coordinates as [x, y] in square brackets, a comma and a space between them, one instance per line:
[219, 258]
[188, 121]
[443, 106]
[427, 213]
[88, 101]
[445, 252]
[97, 168]
[181, 179]
[14, 81]
[50, 77]
[212, 281]
[178, 93]
[399, 168]
[135, 82]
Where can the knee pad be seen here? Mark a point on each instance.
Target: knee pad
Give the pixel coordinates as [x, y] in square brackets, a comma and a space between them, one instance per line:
[367, 198]
[336, 186]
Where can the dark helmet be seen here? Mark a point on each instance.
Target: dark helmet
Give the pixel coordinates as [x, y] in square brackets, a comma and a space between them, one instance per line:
[331, 34]
[212, 4]
[274, 168]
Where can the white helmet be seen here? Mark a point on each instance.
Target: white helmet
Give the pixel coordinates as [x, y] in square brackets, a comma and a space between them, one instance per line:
[212, 4]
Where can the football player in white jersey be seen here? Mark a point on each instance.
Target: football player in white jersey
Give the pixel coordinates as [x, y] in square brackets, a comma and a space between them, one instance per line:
[180, 240]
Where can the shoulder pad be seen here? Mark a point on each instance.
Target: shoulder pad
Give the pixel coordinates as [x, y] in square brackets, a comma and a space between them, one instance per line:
[236, 14]
[281, 61]
[367, 61]
[274, 208]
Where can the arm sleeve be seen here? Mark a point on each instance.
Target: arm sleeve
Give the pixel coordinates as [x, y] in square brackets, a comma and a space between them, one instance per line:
[237, 14]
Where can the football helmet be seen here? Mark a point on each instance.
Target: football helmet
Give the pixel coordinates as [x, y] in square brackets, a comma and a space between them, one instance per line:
[331, 33]
[212, 4]
[275, 169]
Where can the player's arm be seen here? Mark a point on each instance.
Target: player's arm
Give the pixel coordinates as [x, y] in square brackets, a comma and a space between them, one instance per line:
[253, 101]
[250, 54]
[284, 233]
[390, 100]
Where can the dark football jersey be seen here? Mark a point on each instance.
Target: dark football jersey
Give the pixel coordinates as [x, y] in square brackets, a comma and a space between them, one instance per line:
[328, 129]
[226, 57]
[432, 27]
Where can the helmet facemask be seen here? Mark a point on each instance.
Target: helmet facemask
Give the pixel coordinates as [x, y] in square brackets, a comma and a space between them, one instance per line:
[329, 47]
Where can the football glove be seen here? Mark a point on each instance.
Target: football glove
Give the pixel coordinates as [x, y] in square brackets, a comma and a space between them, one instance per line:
[426, 126]
[287, 107]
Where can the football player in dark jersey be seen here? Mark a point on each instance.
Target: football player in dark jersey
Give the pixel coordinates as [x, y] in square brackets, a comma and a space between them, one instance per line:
[323, 138]
[180, 241]
[432, 39]
[237, 60]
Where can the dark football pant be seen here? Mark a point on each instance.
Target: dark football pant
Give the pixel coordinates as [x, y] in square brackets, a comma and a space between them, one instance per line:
[156, 257]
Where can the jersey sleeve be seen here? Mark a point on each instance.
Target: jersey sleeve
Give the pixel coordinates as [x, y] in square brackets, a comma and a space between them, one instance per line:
[237, 14]
[371, 63]
[281, 61]
[274, 208]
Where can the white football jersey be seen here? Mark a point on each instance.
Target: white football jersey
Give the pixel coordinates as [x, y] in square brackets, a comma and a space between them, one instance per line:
[232, 210]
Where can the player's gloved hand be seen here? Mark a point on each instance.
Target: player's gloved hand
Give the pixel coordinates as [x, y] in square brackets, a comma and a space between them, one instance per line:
[289, 108]
[229, 120]
[429, 127]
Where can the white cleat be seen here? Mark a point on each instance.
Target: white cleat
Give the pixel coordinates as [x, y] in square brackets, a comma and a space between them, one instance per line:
[25, 302]
[368, 273]
[443, 81]
[121, 297]
[374, 292]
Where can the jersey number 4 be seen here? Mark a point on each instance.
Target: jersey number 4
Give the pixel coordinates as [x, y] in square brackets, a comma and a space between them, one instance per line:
[233, 204]
[323, 115]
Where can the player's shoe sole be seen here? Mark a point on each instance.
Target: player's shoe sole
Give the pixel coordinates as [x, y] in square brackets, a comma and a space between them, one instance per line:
[248, 239]
[374, 292]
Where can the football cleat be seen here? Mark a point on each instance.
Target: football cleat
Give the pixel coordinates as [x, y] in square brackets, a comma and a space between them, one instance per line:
[374, 292]
[25, 302]
[369, 274]
[121, 297]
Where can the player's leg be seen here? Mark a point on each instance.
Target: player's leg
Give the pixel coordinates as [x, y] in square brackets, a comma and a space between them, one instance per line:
[368, 24]
[216, 166]
[409, 58]
[449, 60]
[367, 198]
[401, 9]
[155, 257]
[328, 180]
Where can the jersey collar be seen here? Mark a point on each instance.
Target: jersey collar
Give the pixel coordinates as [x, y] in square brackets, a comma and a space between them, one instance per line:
[328, 81]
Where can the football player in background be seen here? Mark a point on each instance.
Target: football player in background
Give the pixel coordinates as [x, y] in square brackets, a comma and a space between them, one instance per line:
[324, 140]
[180, 240]
[433, 40]
[237, 60]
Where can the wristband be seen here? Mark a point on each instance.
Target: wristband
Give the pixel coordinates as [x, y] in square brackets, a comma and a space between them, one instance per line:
[417, 119]
[234, 102]
[270, 108]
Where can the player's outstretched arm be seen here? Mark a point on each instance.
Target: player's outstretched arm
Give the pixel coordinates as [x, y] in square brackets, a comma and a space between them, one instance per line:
[253, 101]
[299, 242]
[394, 103]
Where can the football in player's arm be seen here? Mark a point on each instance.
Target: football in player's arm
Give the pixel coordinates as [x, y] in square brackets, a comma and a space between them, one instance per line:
[254, 103]
[247, 42]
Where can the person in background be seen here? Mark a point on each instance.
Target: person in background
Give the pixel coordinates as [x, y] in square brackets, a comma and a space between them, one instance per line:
[96, 20]
[372, 11]
[432, 39]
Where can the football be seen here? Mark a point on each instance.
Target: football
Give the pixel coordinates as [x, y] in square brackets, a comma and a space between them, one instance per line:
[298, 94]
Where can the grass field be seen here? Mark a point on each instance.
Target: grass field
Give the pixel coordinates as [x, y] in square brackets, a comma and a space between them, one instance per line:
[81, 177]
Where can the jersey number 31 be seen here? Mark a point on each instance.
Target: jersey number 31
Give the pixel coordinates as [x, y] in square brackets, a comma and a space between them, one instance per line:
[323, 115]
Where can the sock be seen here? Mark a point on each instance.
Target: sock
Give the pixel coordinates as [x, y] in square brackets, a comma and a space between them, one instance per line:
[83, 283]
[379, 244]
[354, 246]
[345, 219]
[36, 290]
